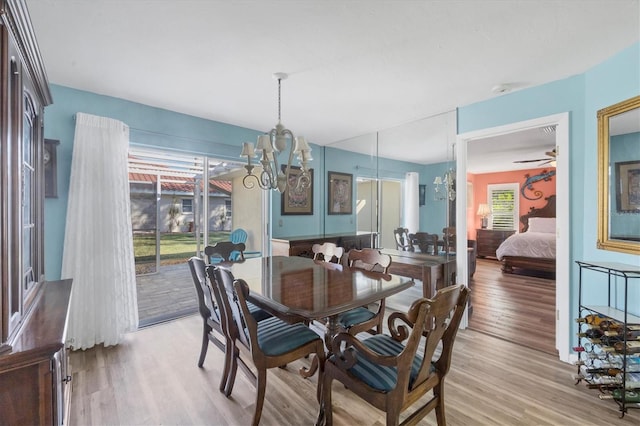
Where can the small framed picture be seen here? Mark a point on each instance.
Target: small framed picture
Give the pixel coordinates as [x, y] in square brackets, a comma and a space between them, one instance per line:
[422, 192]
[628, 187]
[340, 193]
[50, 168]
[297, 201]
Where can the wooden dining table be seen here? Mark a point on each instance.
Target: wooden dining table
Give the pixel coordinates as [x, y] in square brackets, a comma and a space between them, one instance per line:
[314, 290]
[435, 272]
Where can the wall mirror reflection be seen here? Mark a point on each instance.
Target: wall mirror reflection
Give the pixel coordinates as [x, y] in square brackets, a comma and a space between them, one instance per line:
[619, 177]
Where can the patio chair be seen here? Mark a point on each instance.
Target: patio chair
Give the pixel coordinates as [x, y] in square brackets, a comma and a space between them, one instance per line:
[391, 375]
[225, 251]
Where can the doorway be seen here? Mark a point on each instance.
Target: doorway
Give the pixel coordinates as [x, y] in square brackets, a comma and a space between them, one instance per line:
[379, 209]
[561, 123]
[179, 204]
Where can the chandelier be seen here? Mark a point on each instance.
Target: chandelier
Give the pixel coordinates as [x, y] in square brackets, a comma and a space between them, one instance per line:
[268, 147]
[444, 186]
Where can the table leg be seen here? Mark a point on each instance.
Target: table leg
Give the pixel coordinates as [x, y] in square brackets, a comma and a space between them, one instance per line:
[331, 330]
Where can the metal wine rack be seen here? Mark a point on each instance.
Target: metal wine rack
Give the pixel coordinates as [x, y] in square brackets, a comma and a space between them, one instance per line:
[608, 333]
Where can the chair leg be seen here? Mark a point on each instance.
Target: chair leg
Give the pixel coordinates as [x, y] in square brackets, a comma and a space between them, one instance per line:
[326, 409]
[438, 392]
[233, 369]
[228, 354]
[205, 344]
[393, 416]
[261, 386]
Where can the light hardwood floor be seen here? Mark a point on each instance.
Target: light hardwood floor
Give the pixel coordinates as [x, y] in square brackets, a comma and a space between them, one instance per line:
[152, 378]
[517, 308]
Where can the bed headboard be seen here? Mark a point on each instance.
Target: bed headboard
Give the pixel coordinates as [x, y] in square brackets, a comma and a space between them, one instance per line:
[549, 210]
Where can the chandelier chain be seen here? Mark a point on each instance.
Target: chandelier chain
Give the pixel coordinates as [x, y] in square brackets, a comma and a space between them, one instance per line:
[279, 80]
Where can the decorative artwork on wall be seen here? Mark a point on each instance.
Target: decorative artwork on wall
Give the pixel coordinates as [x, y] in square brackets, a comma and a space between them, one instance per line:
[340, 193]
[627, 182]
[297, 201]
[527, 188]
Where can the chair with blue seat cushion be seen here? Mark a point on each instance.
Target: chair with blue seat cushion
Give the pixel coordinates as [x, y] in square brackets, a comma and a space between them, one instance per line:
[393, 372]
[363, 318]
[211, 320]
[269, 343]
[328, 252]
[219, 280]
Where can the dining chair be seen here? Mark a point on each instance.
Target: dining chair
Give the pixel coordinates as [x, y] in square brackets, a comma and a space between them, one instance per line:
[403, 242]
[427, 243]
[328, 252]
[211, 320]
[220, 279]
[392, 375]
[225, 251]
[449, 239]
[269, 343]
[364, 319]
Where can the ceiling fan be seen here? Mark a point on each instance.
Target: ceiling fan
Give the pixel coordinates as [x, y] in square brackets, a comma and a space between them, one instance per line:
[551, 158]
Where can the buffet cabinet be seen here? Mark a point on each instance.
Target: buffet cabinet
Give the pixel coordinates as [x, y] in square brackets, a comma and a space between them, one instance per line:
[301, 246]
[35, 375]
[489, 240]
[608, 346]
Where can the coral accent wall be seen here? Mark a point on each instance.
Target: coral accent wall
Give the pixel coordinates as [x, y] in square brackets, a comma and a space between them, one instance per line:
[480, 182]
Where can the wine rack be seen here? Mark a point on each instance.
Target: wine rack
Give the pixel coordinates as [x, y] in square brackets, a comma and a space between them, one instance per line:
[608, 333]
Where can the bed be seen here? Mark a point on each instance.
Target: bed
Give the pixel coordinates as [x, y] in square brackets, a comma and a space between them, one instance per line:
[534, 248]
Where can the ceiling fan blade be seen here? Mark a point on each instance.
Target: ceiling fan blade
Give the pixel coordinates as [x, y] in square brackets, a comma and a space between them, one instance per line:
[531, 161]
[551, 153]
[546, 162]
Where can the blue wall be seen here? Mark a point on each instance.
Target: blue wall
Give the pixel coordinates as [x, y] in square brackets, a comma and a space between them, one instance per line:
[582, 96]
[152, 126]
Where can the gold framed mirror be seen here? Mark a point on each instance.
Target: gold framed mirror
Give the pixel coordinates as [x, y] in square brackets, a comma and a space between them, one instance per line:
[619, 177]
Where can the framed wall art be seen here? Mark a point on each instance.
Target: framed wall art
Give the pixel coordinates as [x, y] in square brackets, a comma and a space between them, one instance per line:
[50, 168]
[340, 193]
[628, 187]
[297, 201]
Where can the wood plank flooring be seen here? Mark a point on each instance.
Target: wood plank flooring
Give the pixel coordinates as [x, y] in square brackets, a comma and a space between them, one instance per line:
[152, 378]
[517, 308]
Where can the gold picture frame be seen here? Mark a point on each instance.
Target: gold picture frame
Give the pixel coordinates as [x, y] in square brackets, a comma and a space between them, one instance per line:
[628, 187]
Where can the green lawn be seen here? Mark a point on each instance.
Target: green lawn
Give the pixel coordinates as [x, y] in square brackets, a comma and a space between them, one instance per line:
[173, 245]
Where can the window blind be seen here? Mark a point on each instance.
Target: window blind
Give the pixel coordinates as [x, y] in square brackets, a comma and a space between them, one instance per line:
[503, 209]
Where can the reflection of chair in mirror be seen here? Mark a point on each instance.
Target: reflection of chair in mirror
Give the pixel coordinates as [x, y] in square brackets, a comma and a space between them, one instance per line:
[238, 236]
[427, 243]
[403, 242]
[271, 343]
[211, 320]
[225, 251]
[327, 252]
[449, 240]
[391, 375]
[363, 318]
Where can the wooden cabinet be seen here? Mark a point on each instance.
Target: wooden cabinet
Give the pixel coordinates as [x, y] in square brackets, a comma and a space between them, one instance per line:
[34, 375]
[301, 246]
[489, 240]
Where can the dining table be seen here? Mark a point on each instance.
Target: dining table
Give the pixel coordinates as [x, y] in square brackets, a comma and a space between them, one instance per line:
[312, 289]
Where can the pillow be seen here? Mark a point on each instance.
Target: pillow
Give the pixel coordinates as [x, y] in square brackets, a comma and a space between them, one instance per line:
[546, 225]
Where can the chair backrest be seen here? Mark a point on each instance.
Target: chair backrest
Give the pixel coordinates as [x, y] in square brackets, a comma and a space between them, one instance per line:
[403, 242]
[428, 243]
[222, 284]
[206, 305]
[441, 325]
[225, 251]
[368, 259]
[327, 252]
[449, 237]
[238, 236]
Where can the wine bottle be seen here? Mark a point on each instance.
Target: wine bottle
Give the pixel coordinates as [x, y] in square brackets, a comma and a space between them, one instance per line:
[593, 319]
[604, 371]
[632, 347]
[617, 394]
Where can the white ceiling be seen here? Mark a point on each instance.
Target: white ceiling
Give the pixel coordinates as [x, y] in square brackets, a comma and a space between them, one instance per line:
[355, 67]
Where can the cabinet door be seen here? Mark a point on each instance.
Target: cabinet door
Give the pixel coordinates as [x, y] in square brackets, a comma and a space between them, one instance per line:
[26, 395]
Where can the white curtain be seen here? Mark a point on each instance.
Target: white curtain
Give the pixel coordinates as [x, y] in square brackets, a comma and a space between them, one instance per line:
[98, 241]
[411, 208]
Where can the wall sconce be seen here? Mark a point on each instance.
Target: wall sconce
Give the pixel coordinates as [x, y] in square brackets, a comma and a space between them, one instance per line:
[444, 186]
[484, 210]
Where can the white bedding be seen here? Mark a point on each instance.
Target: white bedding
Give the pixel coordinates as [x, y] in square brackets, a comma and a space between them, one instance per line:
[529, 244]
